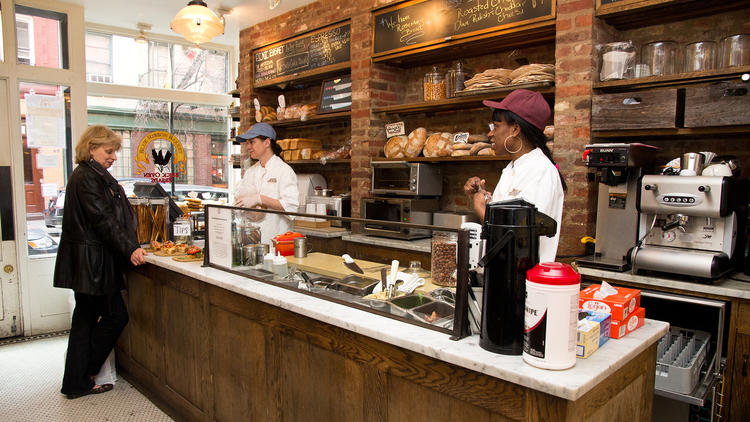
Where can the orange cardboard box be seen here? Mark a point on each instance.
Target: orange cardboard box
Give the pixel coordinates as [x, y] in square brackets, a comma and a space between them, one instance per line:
[620, 305]
[635, 320]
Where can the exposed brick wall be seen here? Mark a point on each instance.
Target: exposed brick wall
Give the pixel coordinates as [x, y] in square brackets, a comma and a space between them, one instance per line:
[573, 75]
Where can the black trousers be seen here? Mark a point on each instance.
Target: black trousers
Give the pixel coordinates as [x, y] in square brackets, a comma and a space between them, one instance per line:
[97, 323]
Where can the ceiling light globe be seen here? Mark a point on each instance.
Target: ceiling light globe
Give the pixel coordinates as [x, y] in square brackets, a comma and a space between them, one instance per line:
[197, 23]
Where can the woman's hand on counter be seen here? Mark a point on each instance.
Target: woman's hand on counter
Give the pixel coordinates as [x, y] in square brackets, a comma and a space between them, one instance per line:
[138, 257]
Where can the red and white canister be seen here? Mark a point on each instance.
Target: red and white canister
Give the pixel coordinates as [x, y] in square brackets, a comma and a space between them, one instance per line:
[551, 315]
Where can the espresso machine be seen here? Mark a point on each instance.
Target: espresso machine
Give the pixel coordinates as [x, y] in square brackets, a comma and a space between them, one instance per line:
[691, 225]
[511, 229]
[619, 166]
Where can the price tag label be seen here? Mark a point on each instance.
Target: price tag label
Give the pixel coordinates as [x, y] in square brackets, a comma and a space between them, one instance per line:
[282, 101]
[394, 129]
[181, 229]
[461, 137]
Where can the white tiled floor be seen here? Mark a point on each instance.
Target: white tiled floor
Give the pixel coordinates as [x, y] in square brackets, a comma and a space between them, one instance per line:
[30, 377]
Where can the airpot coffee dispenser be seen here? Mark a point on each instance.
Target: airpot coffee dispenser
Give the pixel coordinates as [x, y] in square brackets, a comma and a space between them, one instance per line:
[511, 230]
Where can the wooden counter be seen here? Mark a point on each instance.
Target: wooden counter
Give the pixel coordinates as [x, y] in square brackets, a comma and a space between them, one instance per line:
[209, 345]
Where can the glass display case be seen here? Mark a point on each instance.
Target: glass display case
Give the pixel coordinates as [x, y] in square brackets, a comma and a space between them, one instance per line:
[399, 290]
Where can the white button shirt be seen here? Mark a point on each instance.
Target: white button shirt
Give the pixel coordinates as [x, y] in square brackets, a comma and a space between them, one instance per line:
[276, 180]
[534, 178]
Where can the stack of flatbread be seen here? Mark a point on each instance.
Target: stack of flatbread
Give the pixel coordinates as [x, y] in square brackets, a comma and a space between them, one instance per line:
[194, 204]
[535, 72]
[490, 78]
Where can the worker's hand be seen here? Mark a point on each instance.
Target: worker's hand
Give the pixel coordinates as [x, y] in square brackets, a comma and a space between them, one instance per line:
[247, 200]
[138, 257]
[473, 185]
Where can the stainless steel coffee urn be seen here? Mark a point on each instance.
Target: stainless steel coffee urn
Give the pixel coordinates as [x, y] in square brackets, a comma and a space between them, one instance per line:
[511, 230]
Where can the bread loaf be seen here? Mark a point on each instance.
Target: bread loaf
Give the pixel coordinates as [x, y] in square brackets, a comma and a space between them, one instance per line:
[415, 142]
[475, 148]
[486, 151]
[461, 145]
[460, 153]
[439, 145]
[477, 138]
[308, 153]
[395, 146]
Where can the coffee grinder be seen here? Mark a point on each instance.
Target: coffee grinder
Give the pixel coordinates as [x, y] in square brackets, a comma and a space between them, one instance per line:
[511, 229]
[619, 166]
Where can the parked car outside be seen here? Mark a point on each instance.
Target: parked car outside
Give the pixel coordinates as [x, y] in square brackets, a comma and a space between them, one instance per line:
[40, 242]
[53, 215]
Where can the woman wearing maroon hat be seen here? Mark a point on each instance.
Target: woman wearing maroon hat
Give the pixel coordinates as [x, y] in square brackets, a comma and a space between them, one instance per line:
[518, 124]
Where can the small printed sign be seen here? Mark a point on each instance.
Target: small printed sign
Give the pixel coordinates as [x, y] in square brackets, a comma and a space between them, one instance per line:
[394, 129]
[181, 229]
[461, 138]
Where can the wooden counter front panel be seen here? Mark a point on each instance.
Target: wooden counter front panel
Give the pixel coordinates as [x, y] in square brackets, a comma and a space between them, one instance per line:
[203, 353]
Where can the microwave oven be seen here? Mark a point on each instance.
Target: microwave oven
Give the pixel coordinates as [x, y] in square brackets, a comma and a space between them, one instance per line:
[404, 178]
[398, 210]
[337, 206]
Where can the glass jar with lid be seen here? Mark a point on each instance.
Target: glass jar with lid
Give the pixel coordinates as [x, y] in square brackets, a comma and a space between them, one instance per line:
[434, 85]
[617, 59]
[454, 79]
[182, 229]
[444, 257]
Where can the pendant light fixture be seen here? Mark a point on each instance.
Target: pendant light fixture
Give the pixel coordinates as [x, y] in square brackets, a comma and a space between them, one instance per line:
[197, 23]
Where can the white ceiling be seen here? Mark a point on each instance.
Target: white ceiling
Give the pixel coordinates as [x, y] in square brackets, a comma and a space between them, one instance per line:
[158, 13]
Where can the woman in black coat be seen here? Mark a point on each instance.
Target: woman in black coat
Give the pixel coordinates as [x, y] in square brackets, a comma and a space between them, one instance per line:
[98, 239]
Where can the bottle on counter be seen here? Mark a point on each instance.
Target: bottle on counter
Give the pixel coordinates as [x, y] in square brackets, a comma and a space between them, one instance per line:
[268, 261]
[280, 268]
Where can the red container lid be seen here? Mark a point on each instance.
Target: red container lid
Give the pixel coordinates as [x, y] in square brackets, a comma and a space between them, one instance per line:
[553, 273]
[287, 236]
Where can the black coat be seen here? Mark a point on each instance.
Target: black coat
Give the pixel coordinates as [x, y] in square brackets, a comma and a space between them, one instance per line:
[98, 233]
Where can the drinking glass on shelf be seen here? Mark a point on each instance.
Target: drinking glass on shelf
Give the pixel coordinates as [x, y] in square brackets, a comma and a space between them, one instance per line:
[661, 56]
[735, 50]
[699, 56]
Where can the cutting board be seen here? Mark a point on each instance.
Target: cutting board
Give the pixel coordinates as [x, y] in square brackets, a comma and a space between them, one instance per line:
[333, 266]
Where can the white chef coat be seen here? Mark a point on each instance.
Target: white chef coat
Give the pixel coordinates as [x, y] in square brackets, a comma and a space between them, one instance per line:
[276, 180]
[534, 178]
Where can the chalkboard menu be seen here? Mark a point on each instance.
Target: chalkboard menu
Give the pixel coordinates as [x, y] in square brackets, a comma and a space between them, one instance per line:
[310, 51]
[419, 22]
[336, 95]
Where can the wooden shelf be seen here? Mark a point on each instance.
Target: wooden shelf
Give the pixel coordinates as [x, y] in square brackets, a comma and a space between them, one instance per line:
[312, 120]
[679, 79]
[464, 102]
[318, 162]
[469, 159]
[629, 14]
[698, 132]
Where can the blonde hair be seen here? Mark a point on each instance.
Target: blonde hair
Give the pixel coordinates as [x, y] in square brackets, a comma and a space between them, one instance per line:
[94, 137]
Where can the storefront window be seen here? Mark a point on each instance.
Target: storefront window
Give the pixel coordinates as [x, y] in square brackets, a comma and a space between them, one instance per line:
[118, 59]
[41, 37]
[200, 130]
[46, 143]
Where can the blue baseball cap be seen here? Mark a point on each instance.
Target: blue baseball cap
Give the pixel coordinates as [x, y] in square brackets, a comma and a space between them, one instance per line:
[259, 129]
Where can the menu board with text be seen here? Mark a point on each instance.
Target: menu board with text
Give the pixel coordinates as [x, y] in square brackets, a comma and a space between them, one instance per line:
[315, 50]
[424, 22]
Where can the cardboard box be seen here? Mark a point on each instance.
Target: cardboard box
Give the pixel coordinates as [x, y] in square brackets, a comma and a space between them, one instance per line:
[587, 338]
[604, 320]
[619, 305]
[631, 323]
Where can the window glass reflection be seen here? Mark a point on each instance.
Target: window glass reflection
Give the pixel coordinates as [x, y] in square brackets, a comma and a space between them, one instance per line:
[41, 37]
[46, 143]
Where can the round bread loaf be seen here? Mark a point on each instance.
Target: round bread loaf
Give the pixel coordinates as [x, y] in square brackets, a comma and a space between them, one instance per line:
[486, 151]
[439, 144]
[478, 147]
[415, 142]
[478, 138]
[395, 146]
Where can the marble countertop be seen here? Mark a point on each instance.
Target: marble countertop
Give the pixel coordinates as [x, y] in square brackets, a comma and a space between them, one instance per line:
[569, 384]
[418, 245]
[728, 287]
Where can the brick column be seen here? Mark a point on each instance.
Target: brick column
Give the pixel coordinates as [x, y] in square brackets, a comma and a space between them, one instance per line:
[575, 68]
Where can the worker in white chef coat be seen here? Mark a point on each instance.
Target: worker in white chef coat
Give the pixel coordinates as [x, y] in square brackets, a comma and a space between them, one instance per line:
[270, 183]
[517, 130]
